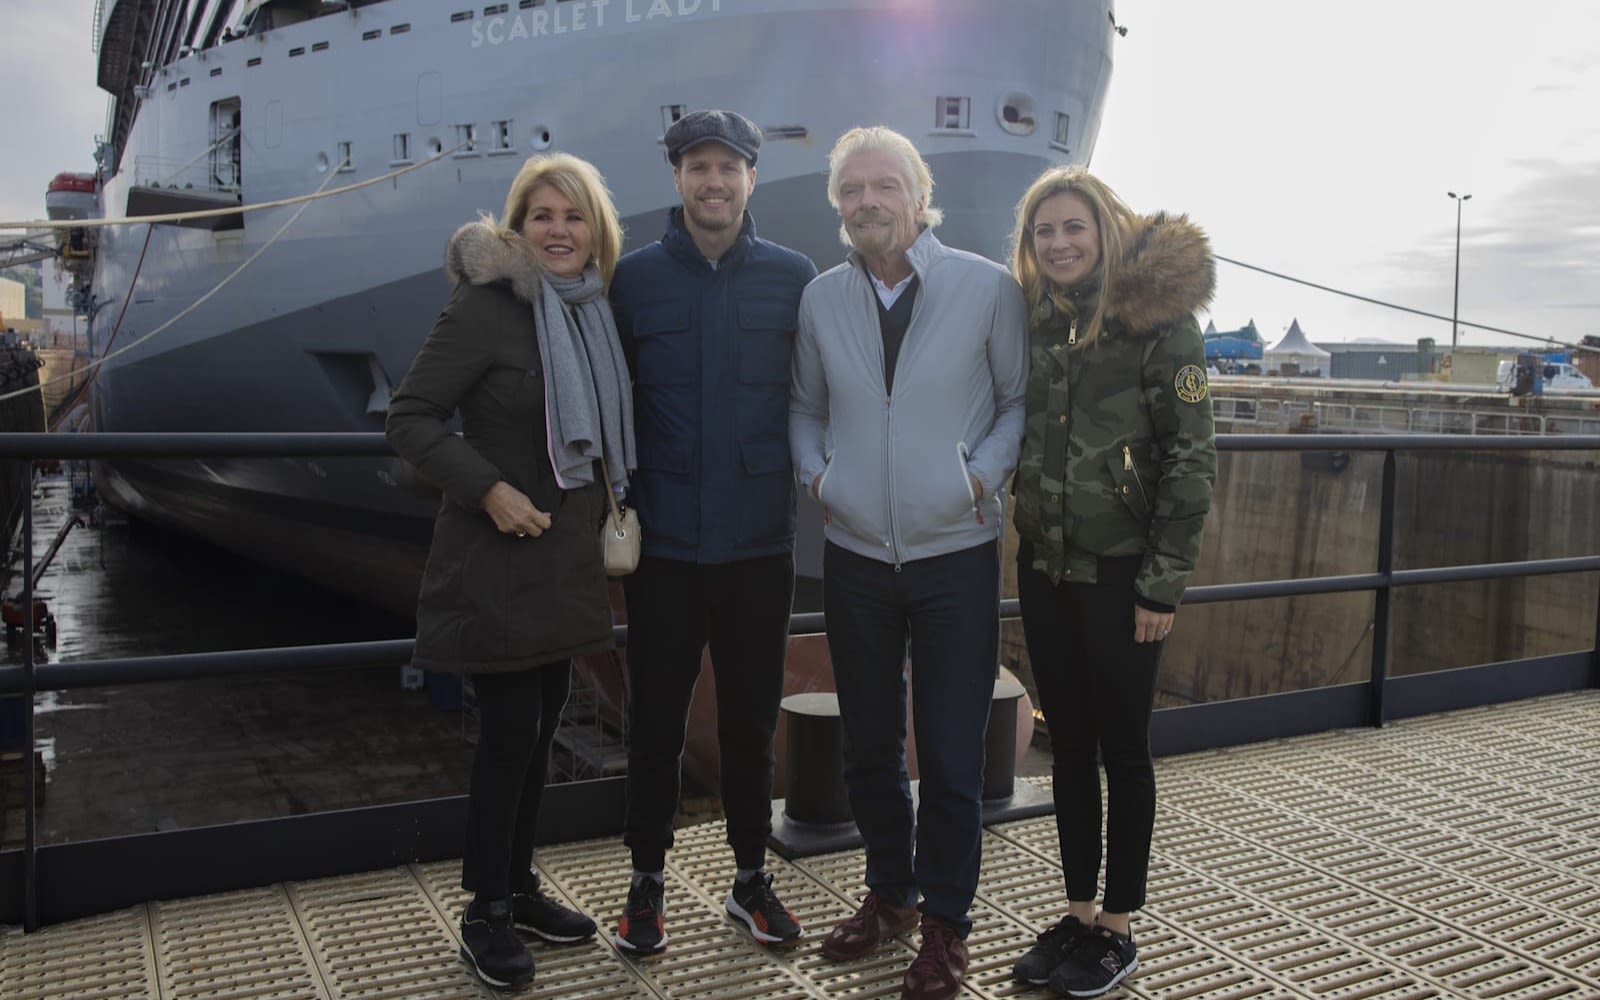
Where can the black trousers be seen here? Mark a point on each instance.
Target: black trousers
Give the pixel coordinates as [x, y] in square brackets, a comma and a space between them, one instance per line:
[675, 610]
[519, 712]
[1097, 690]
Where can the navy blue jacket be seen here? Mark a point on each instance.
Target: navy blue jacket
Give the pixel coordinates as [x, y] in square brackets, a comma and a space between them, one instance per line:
[709, 350]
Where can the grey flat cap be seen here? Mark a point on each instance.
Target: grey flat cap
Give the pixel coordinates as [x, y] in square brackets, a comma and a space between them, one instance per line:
[735, 131]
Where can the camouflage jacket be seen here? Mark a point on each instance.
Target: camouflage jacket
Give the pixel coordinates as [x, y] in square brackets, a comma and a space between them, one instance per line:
[1119, 454]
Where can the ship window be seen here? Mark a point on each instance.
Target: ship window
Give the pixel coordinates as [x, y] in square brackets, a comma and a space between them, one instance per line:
[346, 159]
[172, 86]
[953, 112]
[184, 82]
[402, 147]
[500, 136]
[460, 15]
[298, 50]
[1062, 120]
[435, 147]
[466, 139]
[525, 4]
[493, 9]
[1015, 114]
[253, 61]
[217, 71]
[319, 46]
[367, 36]
[399, 29]
[671, 113]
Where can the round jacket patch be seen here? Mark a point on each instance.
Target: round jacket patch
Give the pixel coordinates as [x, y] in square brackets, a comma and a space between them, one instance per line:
[1190, 383]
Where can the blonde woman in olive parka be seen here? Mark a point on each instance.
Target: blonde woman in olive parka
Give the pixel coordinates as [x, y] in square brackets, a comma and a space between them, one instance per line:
[1112, 492]
[527, 352]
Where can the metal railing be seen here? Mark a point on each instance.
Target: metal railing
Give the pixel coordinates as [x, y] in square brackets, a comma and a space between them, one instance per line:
[99, 875]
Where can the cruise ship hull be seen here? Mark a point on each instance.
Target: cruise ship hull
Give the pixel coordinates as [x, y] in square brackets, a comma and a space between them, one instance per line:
[312, 334]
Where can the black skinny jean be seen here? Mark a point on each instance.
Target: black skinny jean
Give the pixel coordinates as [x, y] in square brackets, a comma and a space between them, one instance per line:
[518, 712]
[675, 610]
[1096, 689]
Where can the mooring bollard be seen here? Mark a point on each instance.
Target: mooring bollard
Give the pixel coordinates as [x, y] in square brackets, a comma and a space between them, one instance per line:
[815, 760]
[1000, 749]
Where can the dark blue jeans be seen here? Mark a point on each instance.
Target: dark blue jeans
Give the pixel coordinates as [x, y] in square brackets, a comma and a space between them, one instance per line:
[946, 609]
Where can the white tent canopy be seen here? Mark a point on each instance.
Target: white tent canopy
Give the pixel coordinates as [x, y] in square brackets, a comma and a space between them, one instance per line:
[1295, 349]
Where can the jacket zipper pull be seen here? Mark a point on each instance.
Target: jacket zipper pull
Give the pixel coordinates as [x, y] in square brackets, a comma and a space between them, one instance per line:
[1127, 459]
[1072, 332]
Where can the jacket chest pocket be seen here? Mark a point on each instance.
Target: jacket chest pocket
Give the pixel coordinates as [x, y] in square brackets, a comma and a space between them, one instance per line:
[664, 353]
[766, 340]
[517, 391]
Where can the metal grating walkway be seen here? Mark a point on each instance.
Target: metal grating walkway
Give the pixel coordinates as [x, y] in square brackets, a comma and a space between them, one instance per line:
[1452, 856]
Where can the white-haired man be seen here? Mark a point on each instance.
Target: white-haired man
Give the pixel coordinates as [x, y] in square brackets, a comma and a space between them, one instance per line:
[906, 419]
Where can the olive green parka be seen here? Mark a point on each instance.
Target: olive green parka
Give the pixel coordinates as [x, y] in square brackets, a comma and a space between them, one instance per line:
[1119, 453]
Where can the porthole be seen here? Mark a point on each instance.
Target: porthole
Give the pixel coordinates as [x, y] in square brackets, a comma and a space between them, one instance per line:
[540, 139]
[1016, 114]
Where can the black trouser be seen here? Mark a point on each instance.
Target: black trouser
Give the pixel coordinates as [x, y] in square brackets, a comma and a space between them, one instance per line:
[1097, 689]
[518, 714]
[675, 609]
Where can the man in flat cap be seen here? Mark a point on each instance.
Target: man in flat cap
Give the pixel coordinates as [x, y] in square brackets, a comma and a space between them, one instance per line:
[707, 319]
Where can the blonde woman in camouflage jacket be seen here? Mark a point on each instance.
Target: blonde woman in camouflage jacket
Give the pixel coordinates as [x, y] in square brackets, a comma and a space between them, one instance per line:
[1112, 492]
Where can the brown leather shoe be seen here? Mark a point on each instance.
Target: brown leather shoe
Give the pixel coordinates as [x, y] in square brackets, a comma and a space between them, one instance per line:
[939, 967]
[872, 923]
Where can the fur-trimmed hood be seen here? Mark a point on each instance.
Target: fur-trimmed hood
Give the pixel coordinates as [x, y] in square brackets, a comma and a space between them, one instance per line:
[1167, 273]
[481, 252]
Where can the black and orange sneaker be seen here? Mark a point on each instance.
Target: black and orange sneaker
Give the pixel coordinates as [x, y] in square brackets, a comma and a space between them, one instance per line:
[753, 903]
[642, 930]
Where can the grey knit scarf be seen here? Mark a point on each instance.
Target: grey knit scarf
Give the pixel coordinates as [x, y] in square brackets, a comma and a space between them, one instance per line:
[588, 398]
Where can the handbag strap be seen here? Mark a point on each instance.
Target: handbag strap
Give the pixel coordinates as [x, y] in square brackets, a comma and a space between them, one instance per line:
[611, 494]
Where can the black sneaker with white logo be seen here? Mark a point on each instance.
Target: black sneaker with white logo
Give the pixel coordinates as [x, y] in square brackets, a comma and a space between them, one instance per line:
[533, 910]
[1102, 959]
[1054, 946]
[490, 946]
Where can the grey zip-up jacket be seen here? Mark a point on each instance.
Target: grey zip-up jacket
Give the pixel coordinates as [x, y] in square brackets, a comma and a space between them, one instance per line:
[895, 483]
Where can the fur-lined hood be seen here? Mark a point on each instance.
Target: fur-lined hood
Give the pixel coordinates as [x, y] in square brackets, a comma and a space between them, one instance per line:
[481, 252]
[1167, 273]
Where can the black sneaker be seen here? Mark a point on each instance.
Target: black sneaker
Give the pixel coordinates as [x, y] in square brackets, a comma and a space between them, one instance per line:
[1102, 959]
[643, 929]
[753, 903]
[1053, 947]
[491, 947]
[537, 913]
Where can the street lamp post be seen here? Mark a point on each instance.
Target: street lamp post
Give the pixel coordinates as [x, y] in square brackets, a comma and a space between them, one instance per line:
[1455, 305]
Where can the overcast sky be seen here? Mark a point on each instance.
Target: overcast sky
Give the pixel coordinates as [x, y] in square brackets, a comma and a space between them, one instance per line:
[1315, 139]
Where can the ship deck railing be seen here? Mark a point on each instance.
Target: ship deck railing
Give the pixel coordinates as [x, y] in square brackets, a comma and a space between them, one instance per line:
[60, 882]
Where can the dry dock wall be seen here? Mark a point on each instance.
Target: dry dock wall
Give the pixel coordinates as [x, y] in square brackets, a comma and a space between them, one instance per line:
[1283, 515]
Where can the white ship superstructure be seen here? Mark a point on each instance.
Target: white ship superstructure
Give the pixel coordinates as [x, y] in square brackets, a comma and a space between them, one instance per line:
[218, 103]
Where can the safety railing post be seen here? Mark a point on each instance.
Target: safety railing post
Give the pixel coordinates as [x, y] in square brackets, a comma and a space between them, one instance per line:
[1382, 596]
[30, 860]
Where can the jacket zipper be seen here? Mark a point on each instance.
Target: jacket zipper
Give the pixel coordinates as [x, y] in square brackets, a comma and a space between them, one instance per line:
[1127, 464]
[888, 464]
[1072, 332]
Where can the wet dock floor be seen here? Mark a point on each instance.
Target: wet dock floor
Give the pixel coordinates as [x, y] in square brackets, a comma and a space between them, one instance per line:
[142, 757]
[1455, 855]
